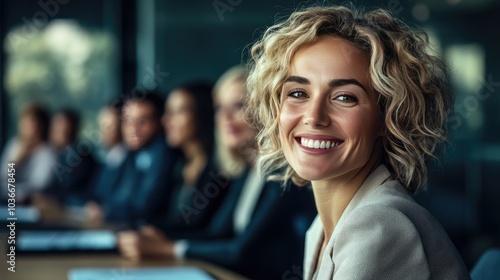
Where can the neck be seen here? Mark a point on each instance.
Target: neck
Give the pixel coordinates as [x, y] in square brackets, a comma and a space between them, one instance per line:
[250, 155]
[196, 159]
[334, 194]
[193, 151]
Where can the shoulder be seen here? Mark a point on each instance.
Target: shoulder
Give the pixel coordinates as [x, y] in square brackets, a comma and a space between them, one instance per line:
[379, 224]
[390, 234]
[379, 241]
[389, 214]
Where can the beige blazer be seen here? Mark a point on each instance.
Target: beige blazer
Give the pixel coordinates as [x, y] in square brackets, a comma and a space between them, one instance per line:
[383, 234]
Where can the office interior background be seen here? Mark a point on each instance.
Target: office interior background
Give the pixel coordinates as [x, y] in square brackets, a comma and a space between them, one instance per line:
[83, 53]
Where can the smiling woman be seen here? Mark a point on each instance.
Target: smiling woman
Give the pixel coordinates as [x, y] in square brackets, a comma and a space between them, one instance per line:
[355, 103]
[325, 102]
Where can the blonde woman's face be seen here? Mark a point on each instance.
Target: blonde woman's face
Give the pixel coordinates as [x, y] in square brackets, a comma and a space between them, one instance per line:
[234, 131]
[329, 119]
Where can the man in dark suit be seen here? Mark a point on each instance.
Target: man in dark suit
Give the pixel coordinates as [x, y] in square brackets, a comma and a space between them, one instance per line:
[142, 179]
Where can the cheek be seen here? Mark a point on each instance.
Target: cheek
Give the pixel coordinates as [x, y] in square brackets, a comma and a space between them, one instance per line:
[125, 129]
[288, 119]
[361, 126]
[149, 129]
[187, 126]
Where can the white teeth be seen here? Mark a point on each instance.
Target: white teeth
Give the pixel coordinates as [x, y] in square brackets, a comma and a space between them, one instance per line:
[310, 144]
[318, 144]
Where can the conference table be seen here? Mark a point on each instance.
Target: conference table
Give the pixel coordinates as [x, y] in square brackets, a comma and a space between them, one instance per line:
[55, 266]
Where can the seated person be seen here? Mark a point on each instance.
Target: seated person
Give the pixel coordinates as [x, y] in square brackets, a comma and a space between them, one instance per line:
[252, 231]
[144, 170]
[112, 157]
[74, 165]
[189, 127]
[355, 104]
[31, 154]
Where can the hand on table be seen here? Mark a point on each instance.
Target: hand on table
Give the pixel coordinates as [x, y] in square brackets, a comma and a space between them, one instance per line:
[94, 212]
[146, 242]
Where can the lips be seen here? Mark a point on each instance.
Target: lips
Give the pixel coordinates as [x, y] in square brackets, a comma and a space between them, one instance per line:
[319, 143]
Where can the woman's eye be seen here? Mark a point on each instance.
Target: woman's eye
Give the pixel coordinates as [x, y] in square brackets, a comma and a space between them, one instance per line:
[238, 106]
[297, 94]
[346, 98]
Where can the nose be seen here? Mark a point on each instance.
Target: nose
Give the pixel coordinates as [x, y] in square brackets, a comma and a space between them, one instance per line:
[136, 126]
[226, 113]
[316, 113]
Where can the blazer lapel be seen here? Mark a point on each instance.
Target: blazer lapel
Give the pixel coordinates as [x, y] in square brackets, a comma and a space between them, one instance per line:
[314, 235]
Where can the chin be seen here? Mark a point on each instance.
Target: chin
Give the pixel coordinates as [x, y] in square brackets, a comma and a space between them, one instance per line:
[312, 174]
[173, 144]
[234, 145]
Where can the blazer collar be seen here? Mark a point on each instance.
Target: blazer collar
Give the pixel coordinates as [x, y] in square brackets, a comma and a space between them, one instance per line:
[314, 236]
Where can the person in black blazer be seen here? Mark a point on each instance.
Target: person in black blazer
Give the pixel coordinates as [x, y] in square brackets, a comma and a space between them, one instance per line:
[252, 231]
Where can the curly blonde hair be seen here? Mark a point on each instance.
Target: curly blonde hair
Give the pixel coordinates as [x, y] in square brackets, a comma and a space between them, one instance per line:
[412, 84]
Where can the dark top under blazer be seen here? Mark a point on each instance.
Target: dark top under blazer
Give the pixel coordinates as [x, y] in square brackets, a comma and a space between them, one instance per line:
[272, 243]
[189, 207]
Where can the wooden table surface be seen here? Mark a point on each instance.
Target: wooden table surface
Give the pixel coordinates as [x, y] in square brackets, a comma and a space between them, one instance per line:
[55, 267]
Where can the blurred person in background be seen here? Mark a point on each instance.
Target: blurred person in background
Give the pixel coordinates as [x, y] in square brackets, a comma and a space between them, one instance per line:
[31, 154]
[64, 129]
[259, 229]
[189, 127]
[74, 165]
[112, 159]
[144, 173]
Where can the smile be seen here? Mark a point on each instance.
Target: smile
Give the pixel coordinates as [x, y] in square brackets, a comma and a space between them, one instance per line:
[322, 144]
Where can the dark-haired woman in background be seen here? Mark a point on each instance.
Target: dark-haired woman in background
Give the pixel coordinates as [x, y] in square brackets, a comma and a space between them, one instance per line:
[31, 154]
[189, 126]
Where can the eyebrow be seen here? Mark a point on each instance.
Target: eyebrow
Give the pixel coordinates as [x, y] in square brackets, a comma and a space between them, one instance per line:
[333, 83]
